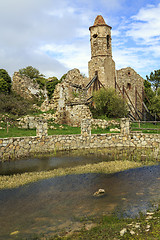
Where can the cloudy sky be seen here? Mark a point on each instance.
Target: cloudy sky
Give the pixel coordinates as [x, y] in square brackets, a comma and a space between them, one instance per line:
[53, 36]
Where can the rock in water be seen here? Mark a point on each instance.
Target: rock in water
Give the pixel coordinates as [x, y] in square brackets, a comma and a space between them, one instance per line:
[99, 192]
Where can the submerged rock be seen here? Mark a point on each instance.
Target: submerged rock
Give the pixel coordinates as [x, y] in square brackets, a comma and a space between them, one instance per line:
[99, 192]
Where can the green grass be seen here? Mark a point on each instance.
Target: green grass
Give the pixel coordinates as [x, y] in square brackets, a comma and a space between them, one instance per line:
[63, 130]
[146, 127]
[17, 132]
[99, 131]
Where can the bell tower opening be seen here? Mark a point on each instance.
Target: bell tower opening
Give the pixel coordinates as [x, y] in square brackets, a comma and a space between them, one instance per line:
[108, 41]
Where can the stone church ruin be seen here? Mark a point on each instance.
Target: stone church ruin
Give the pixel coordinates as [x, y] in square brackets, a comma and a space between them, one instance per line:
[71, 96]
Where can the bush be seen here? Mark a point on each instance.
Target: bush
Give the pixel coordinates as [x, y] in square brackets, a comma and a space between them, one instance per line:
[5, 81]
[41, 82]
[14, 104]
[108, 103]
[50, 86]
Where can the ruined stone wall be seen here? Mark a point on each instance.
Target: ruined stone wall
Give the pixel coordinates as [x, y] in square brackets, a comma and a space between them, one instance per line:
[26, 87]
[70, 97]
[131, 81]
[25, 146]
[75, 114]
[100, 123]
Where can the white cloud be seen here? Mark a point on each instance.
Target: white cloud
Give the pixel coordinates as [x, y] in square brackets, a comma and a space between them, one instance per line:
[146, 25]
[53, 36]
[70, 55]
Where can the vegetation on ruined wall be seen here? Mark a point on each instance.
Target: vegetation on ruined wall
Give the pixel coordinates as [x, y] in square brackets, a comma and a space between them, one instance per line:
[30, 72]
[43, 83]
[108, 103]
[50, 86]
[5, 81]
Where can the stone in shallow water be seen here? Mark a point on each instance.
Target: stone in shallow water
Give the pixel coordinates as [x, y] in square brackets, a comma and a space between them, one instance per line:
[99, 192]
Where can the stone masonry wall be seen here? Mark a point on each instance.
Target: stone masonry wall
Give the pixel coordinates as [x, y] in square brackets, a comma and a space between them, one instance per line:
[24, 146]
[103, 123]
[131, 80]
[26, 87]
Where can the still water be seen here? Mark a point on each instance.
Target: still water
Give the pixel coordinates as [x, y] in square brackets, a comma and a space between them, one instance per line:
[51, 205]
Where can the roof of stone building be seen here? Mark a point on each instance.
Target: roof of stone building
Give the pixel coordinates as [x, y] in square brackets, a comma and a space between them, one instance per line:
[99, 21]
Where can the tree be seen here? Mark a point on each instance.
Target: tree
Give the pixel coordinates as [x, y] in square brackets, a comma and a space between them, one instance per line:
[30, 72]
[108, 103]
[154, 78]
[148, 91]
[155, 105]
[50, 86]
[5, 82]
[3, 86]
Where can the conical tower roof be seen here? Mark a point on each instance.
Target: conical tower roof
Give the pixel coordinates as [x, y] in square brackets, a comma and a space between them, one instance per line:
[99, 21]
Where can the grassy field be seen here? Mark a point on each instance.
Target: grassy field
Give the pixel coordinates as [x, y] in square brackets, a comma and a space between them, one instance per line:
[17, 132]
[146, 127]
[58, 130]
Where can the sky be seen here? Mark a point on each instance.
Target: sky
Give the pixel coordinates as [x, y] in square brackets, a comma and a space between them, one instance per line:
[53, 36]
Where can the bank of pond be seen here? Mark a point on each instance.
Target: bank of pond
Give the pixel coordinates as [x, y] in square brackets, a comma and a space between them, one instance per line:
[52, 197]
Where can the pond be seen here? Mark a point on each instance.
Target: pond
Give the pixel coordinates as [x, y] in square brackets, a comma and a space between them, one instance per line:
[48, 206]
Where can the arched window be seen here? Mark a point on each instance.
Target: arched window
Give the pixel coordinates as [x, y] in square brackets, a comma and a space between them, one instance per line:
[95, 35]
[108, 41]
[129, 86]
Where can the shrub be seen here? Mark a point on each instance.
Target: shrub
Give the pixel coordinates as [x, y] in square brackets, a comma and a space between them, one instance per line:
[5, 81]
[14, 104]
[50, 86]
[41, 82]
[108, 103]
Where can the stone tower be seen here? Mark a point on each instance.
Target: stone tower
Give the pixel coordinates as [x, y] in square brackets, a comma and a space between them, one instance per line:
[101, 62]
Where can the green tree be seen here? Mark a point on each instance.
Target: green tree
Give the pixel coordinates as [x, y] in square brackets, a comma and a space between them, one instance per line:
[30, 72]
[148, 92]
[154, 78]
[108, 103]
[5, 85]
[155, 105]
[50, 86]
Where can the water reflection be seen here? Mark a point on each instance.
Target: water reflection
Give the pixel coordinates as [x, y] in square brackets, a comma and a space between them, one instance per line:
[72, 159]
[50, 205]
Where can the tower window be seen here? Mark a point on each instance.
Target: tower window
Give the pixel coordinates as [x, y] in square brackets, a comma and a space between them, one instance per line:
[108, 41]
[129, 86]
[129, 73]
[95, 35]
